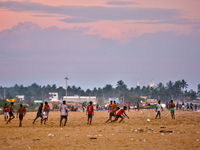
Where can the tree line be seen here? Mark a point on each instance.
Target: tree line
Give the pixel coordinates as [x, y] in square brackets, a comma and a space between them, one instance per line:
[172, 90]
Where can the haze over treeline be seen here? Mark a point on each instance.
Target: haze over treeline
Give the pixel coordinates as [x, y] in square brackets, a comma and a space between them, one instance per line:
[176, 90]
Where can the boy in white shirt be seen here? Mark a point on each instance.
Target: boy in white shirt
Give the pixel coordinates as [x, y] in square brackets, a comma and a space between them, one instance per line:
[64, 113]
[158, 110]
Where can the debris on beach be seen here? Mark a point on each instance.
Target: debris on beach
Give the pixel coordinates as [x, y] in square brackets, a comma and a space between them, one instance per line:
[93, 138]
[142, 140]
[164, 131]
[50, 134]
[35, 139]
[162, 127]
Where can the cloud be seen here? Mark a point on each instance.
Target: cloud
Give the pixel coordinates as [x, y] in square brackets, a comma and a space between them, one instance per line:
[78, 20]
[93, 13]
[121, 3]
[31, 54]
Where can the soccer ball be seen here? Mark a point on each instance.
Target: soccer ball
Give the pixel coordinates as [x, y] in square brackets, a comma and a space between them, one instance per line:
[148, 120]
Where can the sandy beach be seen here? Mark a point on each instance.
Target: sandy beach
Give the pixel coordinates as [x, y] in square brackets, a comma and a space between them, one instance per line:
[133, 133]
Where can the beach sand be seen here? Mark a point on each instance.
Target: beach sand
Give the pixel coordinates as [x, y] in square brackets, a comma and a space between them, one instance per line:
[133, 133]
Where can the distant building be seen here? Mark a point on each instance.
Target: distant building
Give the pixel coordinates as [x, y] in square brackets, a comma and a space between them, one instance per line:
[80, 99]
[138, 84]
[151, 84]
[20, 97]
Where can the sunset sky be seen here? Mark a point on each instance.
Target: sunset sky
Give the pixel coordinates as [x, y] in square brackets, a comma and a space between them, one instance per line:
[99, 42]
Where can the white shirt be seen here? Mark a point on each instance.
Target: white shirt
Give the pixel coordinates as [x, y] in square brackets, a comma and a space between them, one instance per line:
[63, 110]
[158, 107]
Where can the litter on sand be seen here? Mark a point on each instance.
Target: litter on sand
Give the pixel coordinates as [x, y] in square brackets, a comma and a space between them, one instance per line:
[163, 131]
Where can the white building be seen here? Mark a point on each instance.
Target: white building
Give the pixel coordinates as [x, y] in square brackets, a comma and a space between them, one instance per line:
[80, 99]
[20, 97]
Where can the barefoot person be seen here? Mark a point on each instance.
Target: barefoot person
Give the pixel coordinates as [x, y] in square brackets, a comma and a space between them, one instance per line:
[113, 113]
[11, 113]
[21, 113]
[158, 106]
[90, 113]
[172, 106]
[121, 114]
[5, 111]
[46, 112]
[64, 113]
[111, 106]
[39, 113]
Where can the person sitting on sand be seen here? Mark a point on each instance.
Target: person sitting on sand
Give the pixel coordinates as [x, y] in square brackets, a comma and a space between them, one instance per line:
[64, 113]
[113, 113]
[172, 105]
[21, 114]
[5, 111]
[90, 113]
[121, 114]
[39, 113]
[11, 113]
[158, 106]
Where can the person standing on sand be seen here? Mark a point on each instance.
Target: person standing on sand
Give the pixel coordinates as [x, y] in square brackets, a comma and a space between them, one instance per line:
[90, 113]
[97, 107]
[113, 113]
[138, 106]
[121, 113]
[158, 106]
[39, 113]
[172, 106]
[115, 105]
[21, 114]
[111, 106]
[5, 111]
[46, 110]
[11, 113]
[129, 106]
[64, 113]
[183, 106]
[83, 107]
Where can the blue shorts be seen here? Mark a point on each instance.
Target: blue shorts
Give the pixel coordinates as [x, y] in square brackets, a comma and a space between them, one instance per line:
[39, 116]
[90, 115]
[158, 112]
[47, 111]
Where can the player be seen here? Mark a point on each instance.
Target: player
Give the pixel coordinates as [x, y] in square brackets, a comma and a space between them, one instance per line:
[115, 105]
[11, 113]
[158, 106]
[90, 113]
[46, 112]
[172, 106]
[24, 110]
[5, 111]
[97, 107]
[64, 113]
[121, 114]
[39, 113]
[111, 106]
[113, 113]
[21, 114]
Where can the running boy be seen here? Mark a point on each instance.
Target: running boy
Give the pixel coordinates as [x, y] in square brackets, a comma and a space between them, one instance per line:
[5, 111]
[21, 114]
[64, 113]
[121, 113]
[113, 113]
[158, 106]
[39, 113]
[11, 113]
[172, 106]
[90, 113]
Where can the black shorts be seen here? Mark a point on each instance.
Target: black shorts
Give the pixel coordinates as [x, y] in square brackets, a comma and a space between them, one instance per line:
[129, 107]
[64, 117]
[21, 116]
[120, 116]
[11, 113]
[111, 114]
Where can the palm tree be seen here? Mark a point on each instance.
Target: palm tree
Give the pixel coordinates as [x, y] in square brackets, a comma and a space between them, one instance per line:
[170, 87]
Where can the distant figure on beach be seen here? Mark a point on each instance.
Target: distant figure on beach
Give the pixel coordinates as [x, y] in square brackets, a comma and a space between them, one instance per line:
[113, 114]
[167, 105]
[11, 113]
[158, 106]
[64, 113]
[183, 106]
[90, 113]
[121, 114]
[21, 114]
[24, 110]
[83, 107]
[5, 111]
[76, 106]
[97, 107]
[195, 107]
[172, 105]
[188, 107]
[138, 106]
[111, 106]
[129, 106]
[46, 110]
[191, 106]
[39, 114]
[149, 105]
[177, 106]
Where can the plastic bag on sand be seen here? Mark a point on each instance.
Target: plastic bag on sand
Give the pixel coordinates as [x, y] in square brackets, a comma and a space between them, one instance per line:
[50, 134]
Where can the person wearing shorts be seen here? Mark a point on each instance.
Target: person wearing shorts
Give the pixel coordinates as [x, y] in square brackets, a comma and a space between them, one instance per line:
[113, 114]
[46, 111]
[111, 106]
[21, 114]
[158, 106]
[5, 111]
[39, 114]
[64, 113]
[172, 109]
[121, 114]
[11, 113]
[90, 113]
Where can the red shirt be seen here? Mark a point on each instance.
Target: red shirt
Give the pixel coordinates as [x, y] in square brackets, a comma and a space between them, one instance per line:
[121, 111]
[24, 109]
[6, 109]
[90, 109]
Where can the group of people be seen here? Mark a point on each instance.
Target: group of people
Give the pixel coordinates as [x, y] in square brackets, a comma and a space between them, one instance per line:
[183, 106]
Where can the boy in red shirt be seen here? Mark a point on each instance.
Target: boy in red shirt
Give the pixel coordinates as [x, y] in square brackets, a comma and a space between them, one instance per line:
[11, 113]
[90, 113]
[121, 113]
[5, 111]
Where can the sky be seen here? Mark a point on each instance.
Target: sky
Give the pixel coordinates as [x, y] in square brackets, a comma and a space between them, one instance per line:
[95, 43]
